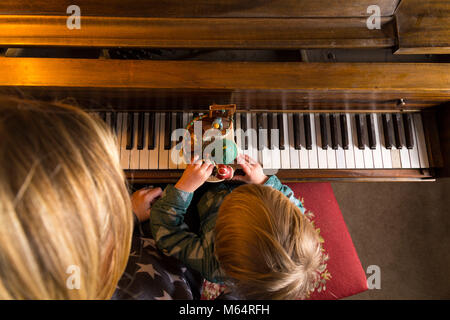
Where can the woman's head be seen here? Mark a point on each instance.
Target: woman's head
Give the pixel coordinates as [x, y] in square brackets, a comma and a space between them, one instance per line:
[265, 245]
[63, 203]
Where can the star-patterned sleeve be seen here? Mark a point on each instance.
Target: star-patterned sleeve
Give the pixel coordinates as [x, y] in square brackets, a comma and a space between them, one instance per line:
[275, 183]
[173, 237]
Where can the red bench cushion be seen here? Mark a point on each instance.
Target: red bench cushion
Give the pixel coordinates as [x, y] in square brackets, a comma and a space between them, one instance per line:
[347, 275]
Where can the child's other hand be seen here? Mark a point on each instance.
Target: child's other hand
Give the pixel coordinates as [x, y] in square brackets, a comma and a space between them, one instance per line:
[252, 169]
[194, 175]
[142, 200]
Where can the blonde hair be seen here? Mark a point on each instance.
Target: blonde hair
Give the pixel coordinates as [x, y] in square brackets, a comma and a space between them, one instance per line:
[265, 245]
[63, 202]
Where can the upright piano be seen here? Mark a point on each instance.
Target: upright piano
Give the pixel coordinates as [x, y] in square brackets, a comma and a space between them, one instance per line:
[352, 101]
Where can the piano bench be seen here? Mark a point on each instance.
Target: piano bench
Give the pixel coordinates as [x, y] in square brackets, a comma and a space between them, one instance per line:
[347, 276]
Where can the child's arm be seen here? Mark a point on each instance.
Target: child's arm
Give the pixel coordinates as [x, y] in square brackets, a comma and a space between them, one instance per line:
[170, 232]
[254, 174]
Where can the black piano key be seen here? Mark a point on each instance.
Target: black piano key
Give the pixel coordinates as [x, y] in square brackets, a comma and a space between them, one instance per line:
[371, 132]
[359, 132]
[167, 131]
[179, 120]
[281, 130]
[244, 137]
[260, 126]
[297, 144]
[102, 116]
[344, 131]
[113, 122]
[333, 132]
[270, 143]
[387, 132]
[140, 132]
[407, 125]
[397, 135]
[234, 127]
[130, 131]
[323, 131]
[151, 131]
[179, 124]
[307, 126]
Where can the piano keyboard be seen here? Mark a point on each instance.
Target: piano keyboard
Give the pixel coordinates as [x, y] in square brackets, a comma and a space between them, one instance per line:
[298, 140]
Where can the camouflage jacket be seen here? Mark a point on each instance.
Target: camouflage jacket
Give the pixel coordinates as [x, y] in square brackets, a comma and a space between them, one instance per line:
[173, 236]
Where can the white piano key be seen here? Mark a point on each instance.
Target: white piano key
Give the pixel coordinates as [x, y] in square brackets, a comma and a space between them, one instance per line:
[238, 133]
[331, 154]
[108, 123]
[395, 156]
[124, 153]
[385, 153]
[182, 164]
[248, 135]
[275, 138]
[284, 154]
[368, 157]
[174, 155]
[144, 153]
[257, 154]
[163, 162]
[321, 153]
[119, 132]
[349, 155]
[414, 152]
[153, 157]
[303, 152]
[108, 119]
[266, 152]
[188, 154]
[404, 152]
[340, 154]
[395, 153]
[421, 144]
[359, 154]
[134, 152]
[377, 156]
[293, 153]
[312, 154]
[253, 146]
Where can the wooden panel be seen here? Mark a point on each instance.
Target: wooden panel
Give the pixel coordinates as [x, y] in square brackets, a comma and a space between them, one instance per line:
[431, 131]
[423, 27]
[135, 99]
[194, 84]
[256, 33]
[172, 176]
[201, 8]
[443, 114]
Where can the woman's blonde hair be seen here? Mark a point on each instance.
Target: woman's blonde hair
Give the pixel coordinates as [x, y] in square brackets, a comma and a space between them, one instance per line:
[64, 204]
[265, 245]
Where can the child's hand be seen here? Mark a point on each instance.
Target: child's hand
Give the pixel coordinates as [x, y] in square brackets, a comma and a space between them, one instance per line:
[194, 175]
[252, 169]
[142, 200]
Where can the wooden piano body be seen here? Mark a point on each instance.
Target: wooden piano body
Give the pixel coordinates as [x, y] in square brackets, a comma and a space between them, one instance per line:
[411, 77]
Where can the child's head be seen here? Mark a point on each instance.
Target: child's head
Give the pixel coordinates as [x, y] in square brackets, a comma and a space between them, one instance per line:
[63, 202]
[265, 245]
